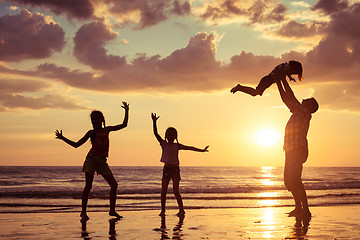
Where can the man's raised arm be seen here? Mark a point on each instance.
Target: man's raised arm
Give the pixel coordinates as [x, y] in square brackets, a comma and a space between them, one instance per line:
[287, 94]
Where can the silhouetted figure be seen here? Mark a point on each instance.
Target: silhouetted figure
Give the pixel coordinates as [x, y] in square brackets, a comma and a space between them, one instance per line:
[170, 158]
[278, 73]
[296, 145]
[96, 159]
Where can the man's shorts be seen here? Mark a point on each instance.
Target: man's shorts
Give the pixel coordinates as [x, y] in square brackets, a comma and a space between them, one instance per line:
[96, 163]
[265, 83]
[294, 160]
[171, 172]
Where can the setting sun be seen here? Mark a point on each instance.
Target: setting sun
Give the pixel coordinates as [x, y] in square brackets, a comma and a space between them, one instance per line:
[267, 137]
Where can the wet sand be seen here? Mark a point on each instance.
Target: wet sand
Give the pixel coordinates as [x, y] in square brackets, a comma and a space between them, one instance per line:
[333, 222]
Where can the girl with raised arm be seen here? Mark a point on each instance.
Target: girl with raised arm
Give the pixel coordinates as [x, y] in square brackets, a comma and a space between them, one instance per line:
[96, 159]
[170, 158]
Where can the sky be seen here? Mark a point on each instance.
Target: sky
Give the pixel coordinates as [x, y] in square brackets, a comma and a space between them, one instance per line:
[61, 59]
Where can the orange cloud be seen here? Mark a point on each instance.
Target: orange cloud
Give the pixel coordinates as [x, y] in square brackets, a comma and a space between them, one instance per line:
[12, 96]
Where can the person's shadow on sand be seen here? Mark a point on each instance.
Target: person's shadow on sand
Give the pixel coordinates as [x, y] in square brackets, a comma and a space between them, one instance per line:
[176, 230]
[300, 228]
[84, 233]
[112, 229]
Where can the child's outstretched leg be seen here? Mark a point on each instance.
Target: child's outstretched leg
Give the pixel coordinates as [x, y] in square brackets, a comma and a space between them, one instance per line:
[89, 177]
[113, 191]
[176, 183]
[164, 188]
[249, 90]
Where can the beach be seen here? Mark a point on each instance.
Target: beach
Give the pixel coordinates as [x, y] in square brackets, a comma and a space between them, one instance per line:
[220, 203]
[333, 222]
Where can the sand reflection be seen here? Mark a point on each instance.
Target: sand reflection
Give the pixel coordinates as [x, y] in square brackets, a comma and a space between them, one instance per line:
[177, 230]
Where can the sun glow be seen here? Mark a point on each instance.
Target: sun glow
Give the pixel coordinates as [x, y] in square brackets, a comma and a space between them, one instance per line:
[267, 137]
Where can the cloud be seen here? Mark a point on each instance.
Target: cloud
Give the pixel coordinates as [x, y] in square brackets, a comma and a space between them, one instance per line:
[89, 46]
[141, 13]
[12, 96]
[301, 4]
[146, 13]
[80, 9]
[337, 56]
[254, 11]
[344, 96]
[293, 29]
[331, 6]
[124, 41]
[13, 101]
[29, 36]
[194, 67]
[181, 9]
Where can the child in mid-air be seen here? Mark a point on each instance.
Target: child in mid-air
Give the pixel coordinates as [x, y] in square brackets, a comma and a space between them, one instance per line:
[279, 73]
[97, 157]
[170, 158]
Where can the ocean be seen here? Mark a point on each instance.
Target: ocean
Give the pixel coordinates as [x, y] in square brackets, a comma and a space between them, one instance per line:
[59, 189]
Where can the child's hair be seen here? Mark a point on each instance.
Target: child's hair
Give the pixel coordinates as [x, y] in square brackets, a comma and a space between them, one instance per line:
[314, 105]
[101, 116]
[169, 130]
[297, 67]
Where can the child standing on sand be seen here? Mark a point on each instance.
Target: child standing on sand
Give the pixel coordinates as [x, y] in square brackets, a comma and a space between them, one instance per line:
[278, 73]
[170, 158]
[97, 157]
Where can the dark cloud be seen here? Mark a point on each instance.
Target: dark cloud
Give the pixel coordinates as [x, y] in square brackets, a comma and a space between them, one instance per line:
[29, 36]
[261, 12]
[338, 54]
[225, 10]
[197, 56]
[80, 9]
[12, 96]
[89, 46]
[297, 30]
[331, 6]
[181, 9]
[191, 68]
[151, 12]
[256, 11]
[148, 12]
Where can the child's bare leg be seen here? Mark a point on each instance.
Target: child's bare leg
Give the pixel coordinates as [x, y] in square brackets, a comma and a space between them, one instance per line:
[164, 188]
[249, 90]
[176, 183]
[245, 89]
[89, 177]
[113, 191]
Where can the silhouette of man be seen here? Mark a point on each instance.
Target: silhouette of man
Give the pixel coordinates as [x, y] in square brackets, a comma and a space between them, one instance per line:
[296, 145]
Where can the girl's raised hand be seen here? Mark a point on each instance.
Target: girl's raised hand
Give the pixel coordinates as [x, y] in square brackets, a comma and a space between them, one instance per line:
[206, 149]
[125, 106]
[59, 134]
[154, 117]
